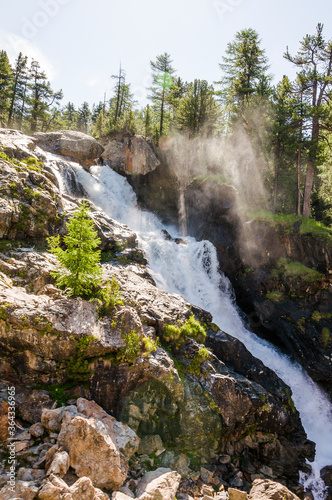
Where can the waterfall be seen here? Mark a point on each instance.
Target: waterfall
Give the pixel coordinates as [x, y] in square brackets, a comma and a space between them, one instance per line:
[192, 270]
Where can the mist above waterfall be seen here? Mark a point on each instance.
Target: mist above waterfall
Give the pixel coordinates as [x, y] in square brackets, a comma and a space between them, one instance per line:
[234, 159]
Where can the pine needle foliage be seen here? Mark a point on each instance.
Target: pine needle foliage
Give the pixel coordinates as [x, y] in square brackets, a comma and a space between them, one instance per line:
[79, 269]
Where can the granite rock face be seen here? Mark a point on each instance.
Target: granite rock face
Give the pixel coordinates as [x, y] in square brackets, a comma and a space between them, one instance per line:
[77, 146]
[130, 155]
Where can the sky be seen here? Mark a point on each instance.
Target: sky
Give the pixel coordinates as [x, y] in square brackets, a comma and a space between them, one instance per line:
[80, 43]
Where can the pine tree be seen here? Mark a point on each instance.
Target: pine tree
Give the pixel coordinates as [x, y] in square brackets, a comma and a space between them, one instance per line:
[69, 115]
[162, 81]
[197, 108]
[42, 99]
[18, 87]
[315, 62]
[147, 123]
[245, 66]
[288, 141]
[80, 270]
[84, 117]
[5, 81]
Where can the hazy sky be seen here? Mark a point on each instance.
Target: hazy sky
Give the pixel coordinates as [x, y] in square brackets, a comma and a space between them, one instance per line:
[80, 43]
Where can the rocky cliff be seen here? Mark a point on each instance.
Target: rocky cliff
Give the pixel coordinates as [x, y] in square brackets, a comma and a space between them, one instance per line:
[281, 270]
[146, 406]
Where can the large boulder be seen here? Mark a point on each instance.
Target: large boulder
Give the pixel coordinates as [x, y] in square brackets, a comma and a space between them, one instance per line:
[265, 489]
[98, 446]
[160, 484]
[130, 155]
[77, 146]
[16, 144]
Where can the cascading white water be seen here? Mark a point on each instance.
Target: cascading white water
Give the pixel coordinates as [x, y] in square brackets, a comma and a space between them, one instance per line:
[191, 269]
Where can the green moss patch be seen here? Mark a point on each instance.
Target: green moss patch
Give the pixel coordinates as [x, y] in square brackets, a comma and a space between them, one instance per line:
[275, 296]
[296, 270]
[307, 226]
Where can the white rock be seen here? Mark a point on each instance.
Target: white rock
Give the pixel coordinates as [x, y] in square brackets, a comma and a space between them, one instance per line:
[160, 484]
[60, 464]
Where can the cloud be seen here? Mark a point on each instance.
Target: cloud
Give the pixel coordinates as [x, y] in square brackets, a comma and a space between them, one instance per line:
[14, 44]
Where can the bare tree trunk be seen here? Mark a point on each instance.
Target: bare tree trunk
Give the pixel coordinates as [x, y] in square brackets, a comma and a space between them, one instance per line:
[298, 175]
[309, 180]
[276, 176]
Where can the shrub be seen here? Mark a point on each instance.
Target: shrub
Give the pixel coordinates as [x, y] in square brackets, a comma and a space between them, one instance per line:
[178, 334]
[110, 296]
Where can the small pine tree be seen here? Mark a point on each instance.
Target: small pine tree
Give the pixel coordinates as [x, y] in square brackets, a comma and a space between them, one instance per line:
[79, 270]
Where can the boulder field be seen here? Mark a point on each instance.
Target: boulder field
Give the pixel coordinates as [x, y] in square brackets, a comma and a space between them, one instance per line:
[107, 404]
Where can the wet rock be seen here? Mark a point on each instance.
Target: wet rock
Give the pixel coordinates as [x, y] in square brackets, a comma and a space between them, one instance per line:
[158, 484]
[80, 147]
[265, 489]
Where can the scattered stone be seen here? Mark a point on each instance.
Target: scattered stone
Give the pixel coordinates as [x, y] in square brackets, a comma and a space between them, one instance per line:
[50, 455]
[21, 445]
[181, 465]
[36, 430]
[224, 459]
[51, 419]
[31, 403]
[151, 444]
[24, 490]
[60, 464]
[235, 494]
[265, 489]
[158, 484]
[206, 475]
[23, 436]
[127, 491]
[267, 471]
[119, 495]
[3, 420]
[83, 489]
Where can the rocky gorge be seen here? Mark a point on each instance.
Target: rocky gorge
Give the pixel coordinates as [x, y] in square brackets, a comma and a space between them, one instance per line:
[108, 402]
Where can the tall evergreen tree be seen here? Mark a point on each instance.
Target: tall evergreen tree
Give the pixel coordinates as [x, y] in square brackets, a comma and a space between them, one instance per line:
[197, 109]
[162, 81]
[84, 117]
[18, 88]
[287, 132]
[80, 269]
[5, 82]
[244, 66]
[120, 82]
[42, 99]
[314, 59]
[69, 116]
